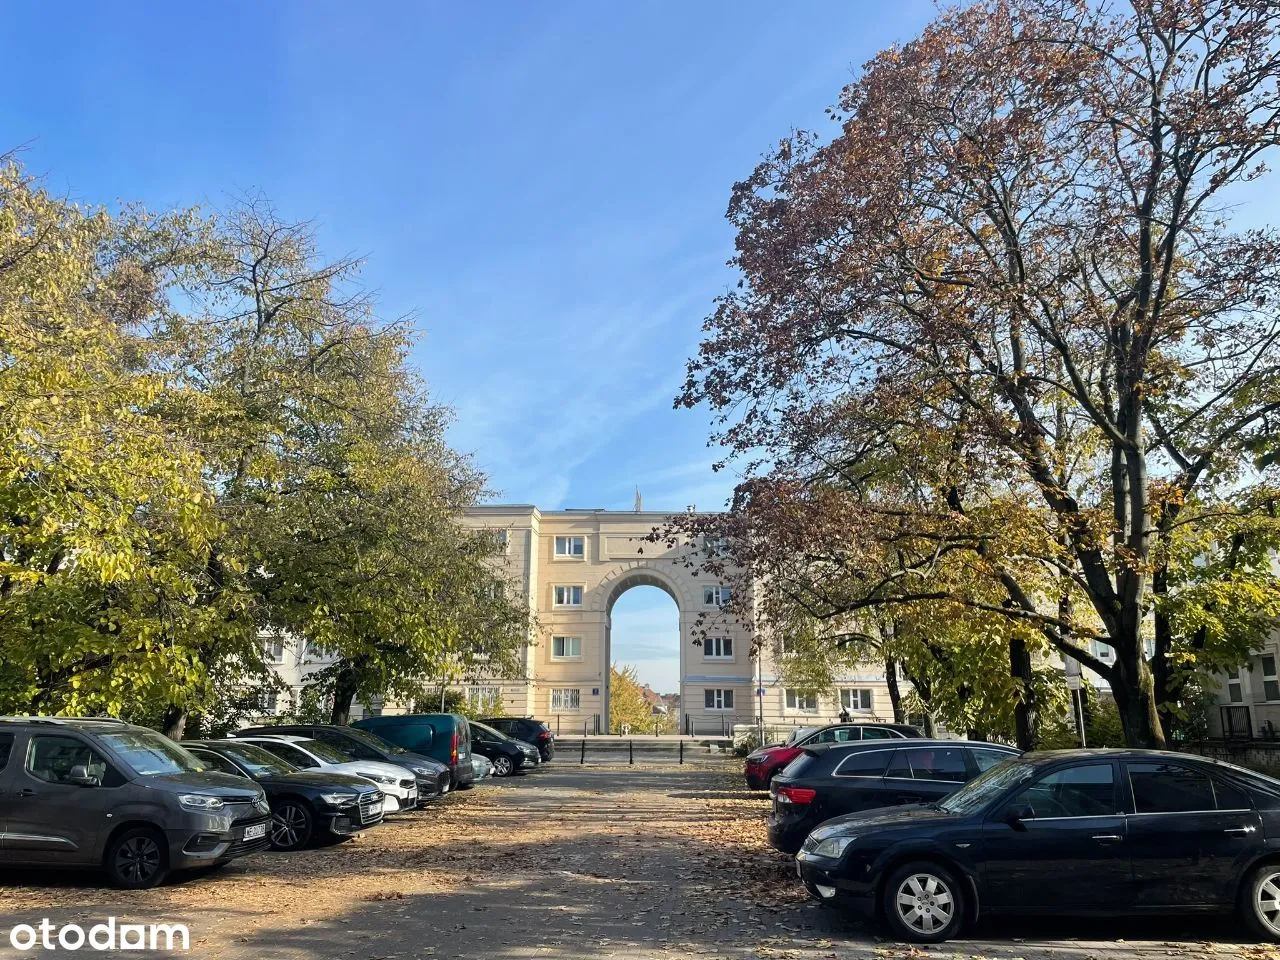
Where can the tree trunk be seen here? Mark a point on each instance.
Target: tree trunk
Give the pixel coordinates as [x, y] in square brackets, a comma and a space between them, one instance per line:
[1133, 688]
[174, 724]
[1026, 713]
[344, 692]
[895, 695]
[930, 730]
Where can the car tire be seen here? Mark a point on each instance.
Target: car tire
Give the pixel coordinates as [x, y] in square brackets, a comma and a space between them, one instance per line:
[503, 766]
[137, 859]
[923, 902]
[1260, 901]
[292, 825]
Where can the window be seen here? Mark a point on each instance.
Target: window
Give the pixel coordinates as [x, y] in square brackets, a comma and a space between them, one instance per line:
[717, 648]
[504, 540]
[856, 699]
[1084, 791]
[986, 759]
[289, 754]
[836, 735]
[804, 702]
[717, 699]
[880, 733]
[932, 763]
[872, 763]
[1270, 682]
[715, 546]
[568, 597]
[267, 701]
[1230, 797]
[566, 698]
[1234, 692]
[273, 649]
[351, 749]
[6, 744]
[495, 590]
[483, 696]
[566, 648]
[214, 762]
[715, 596]
[1166, 788]
[52, 759]
[574, 547]
[148, 752]
[1103, 651]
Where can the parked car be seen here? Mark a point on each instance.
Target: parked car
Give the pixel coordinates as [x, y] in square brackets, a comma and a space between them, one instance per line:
[508, 756]
[762, 764]
[481, 767]
[399, 788]
[106, 794]
[305, 804]
[442, 736]
[1062, 832]
[529, 730]
[831, 779]
[433, 776]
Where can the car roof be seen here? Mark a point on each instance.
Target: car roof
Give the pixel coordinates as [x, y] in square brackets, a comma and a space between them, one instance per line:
[84, 723]
[857, 746]
[281, 737]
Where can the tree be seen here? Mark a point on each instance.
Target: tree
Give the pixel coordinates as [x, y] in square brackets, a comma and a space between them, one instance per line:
[1015, 242]
[628, 708]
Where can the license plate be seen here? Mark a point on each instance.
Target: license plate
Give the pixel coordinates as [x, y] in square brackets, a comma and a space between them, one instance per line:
[255, 831]
[413, 797]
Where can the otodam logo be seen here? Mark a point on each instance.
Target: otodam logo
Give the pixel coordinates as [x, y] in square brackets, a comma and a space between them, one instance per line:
[110, 935]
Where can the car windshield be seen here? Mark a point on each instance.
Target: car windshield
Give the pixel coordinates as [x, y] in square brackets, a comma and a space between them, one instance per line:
[257, 761]
[322, 750]
[150, 753]
[374, 741]
[497, 735]
[982, 789]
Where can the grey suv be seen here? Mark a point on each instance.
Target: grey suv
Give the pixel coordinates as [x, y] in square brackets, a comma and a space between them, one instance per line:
[101, 793]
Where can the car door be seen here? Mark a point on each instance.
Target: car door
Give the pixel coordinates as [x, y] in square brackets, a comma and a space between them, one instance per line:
[7, 739]
[1190, 834]
[49, 818]
[856, 783]
[1067, 852]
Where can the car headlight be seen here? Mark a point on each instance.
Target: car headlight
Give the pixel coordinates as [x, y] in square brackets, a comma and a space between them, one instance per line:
[833, 847]
[337, 799]
[380, 778]
[424, 771]
[200, 801]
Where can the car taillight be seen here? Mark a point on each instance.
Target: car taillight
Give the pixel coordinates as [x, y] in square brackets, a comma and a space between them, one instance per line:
[796, 794]
[544, 735]
[454, 749]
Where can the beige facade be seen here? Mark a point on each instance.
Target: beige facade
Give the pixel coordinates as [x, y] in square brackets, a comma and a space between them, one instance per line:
[573, 565]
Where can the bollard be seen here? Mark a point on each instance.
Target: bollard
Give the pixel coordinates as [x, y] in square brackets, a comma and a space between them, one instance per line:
[682, 751]
[631, 752]
[583, 758]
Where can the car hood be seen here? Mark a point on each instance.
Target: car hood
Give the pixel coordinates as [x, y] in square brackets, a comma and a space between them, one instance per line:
[885, 817]
[418, 760]
[212, 783]
[326, 780]
[360, 767]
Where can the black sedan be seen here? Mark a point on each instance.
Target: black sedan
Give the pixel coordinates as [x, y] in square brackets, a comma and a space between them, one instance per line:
[830, 779]
[507, 754]
[305, 804]
[1064, 832]
[527, 729]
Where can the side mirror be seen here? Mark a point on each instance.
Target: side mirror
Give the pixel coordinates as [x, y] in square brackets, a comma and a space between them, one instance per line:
[1015, 816]
[81, 777]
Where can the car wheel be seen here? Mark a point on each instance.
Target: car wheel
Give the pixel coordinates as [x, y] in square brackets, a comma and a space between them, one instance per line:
[137, 859]
[502, 766]
[291, 826]
[1260, 901]
[923, 903]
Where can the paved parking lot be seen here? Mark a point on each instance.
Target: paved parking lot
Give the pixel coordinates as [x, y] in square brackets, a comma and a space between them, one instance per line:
[566, 863]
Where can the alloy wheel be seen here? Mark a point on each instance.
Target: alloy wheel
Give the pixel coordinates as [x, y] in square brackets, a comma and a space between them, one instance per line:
[501, 766]
[138, 859]
[288, 826]
[1267, 900]
[925, 903]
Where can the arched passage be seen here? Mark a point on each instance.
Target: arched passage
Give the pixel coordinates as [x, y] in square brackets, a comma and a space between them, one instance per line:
[642, 631]
[640, 580]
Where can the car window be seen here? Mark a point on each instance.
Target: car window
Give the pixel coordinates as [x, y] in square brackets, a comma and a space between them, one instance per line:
[1084, 791]
[149, 753]
[6, 746]
[288, 753]
[878, 733]
[52, 759]
[375, 742]
[325, 752]
[865, 763]
[349, 748]
[986, 759]
[938, 763]
[1169, 788]
[835, 735]
[212, 761]
[1230, 797]
[899, 767]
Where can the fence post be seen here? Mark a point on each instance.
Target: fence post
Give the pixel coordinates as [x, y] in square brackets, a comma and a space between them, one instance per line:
[682, 751]
[583, 756]
[631, 752]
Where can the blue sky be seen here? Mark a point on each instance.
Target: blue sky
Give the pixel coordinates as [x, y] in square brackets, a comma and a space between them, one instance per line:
[542, 184]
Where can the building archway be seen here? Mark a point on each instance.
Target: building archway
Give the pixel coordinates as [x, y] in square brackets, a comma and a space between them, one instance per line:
[643, 631]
